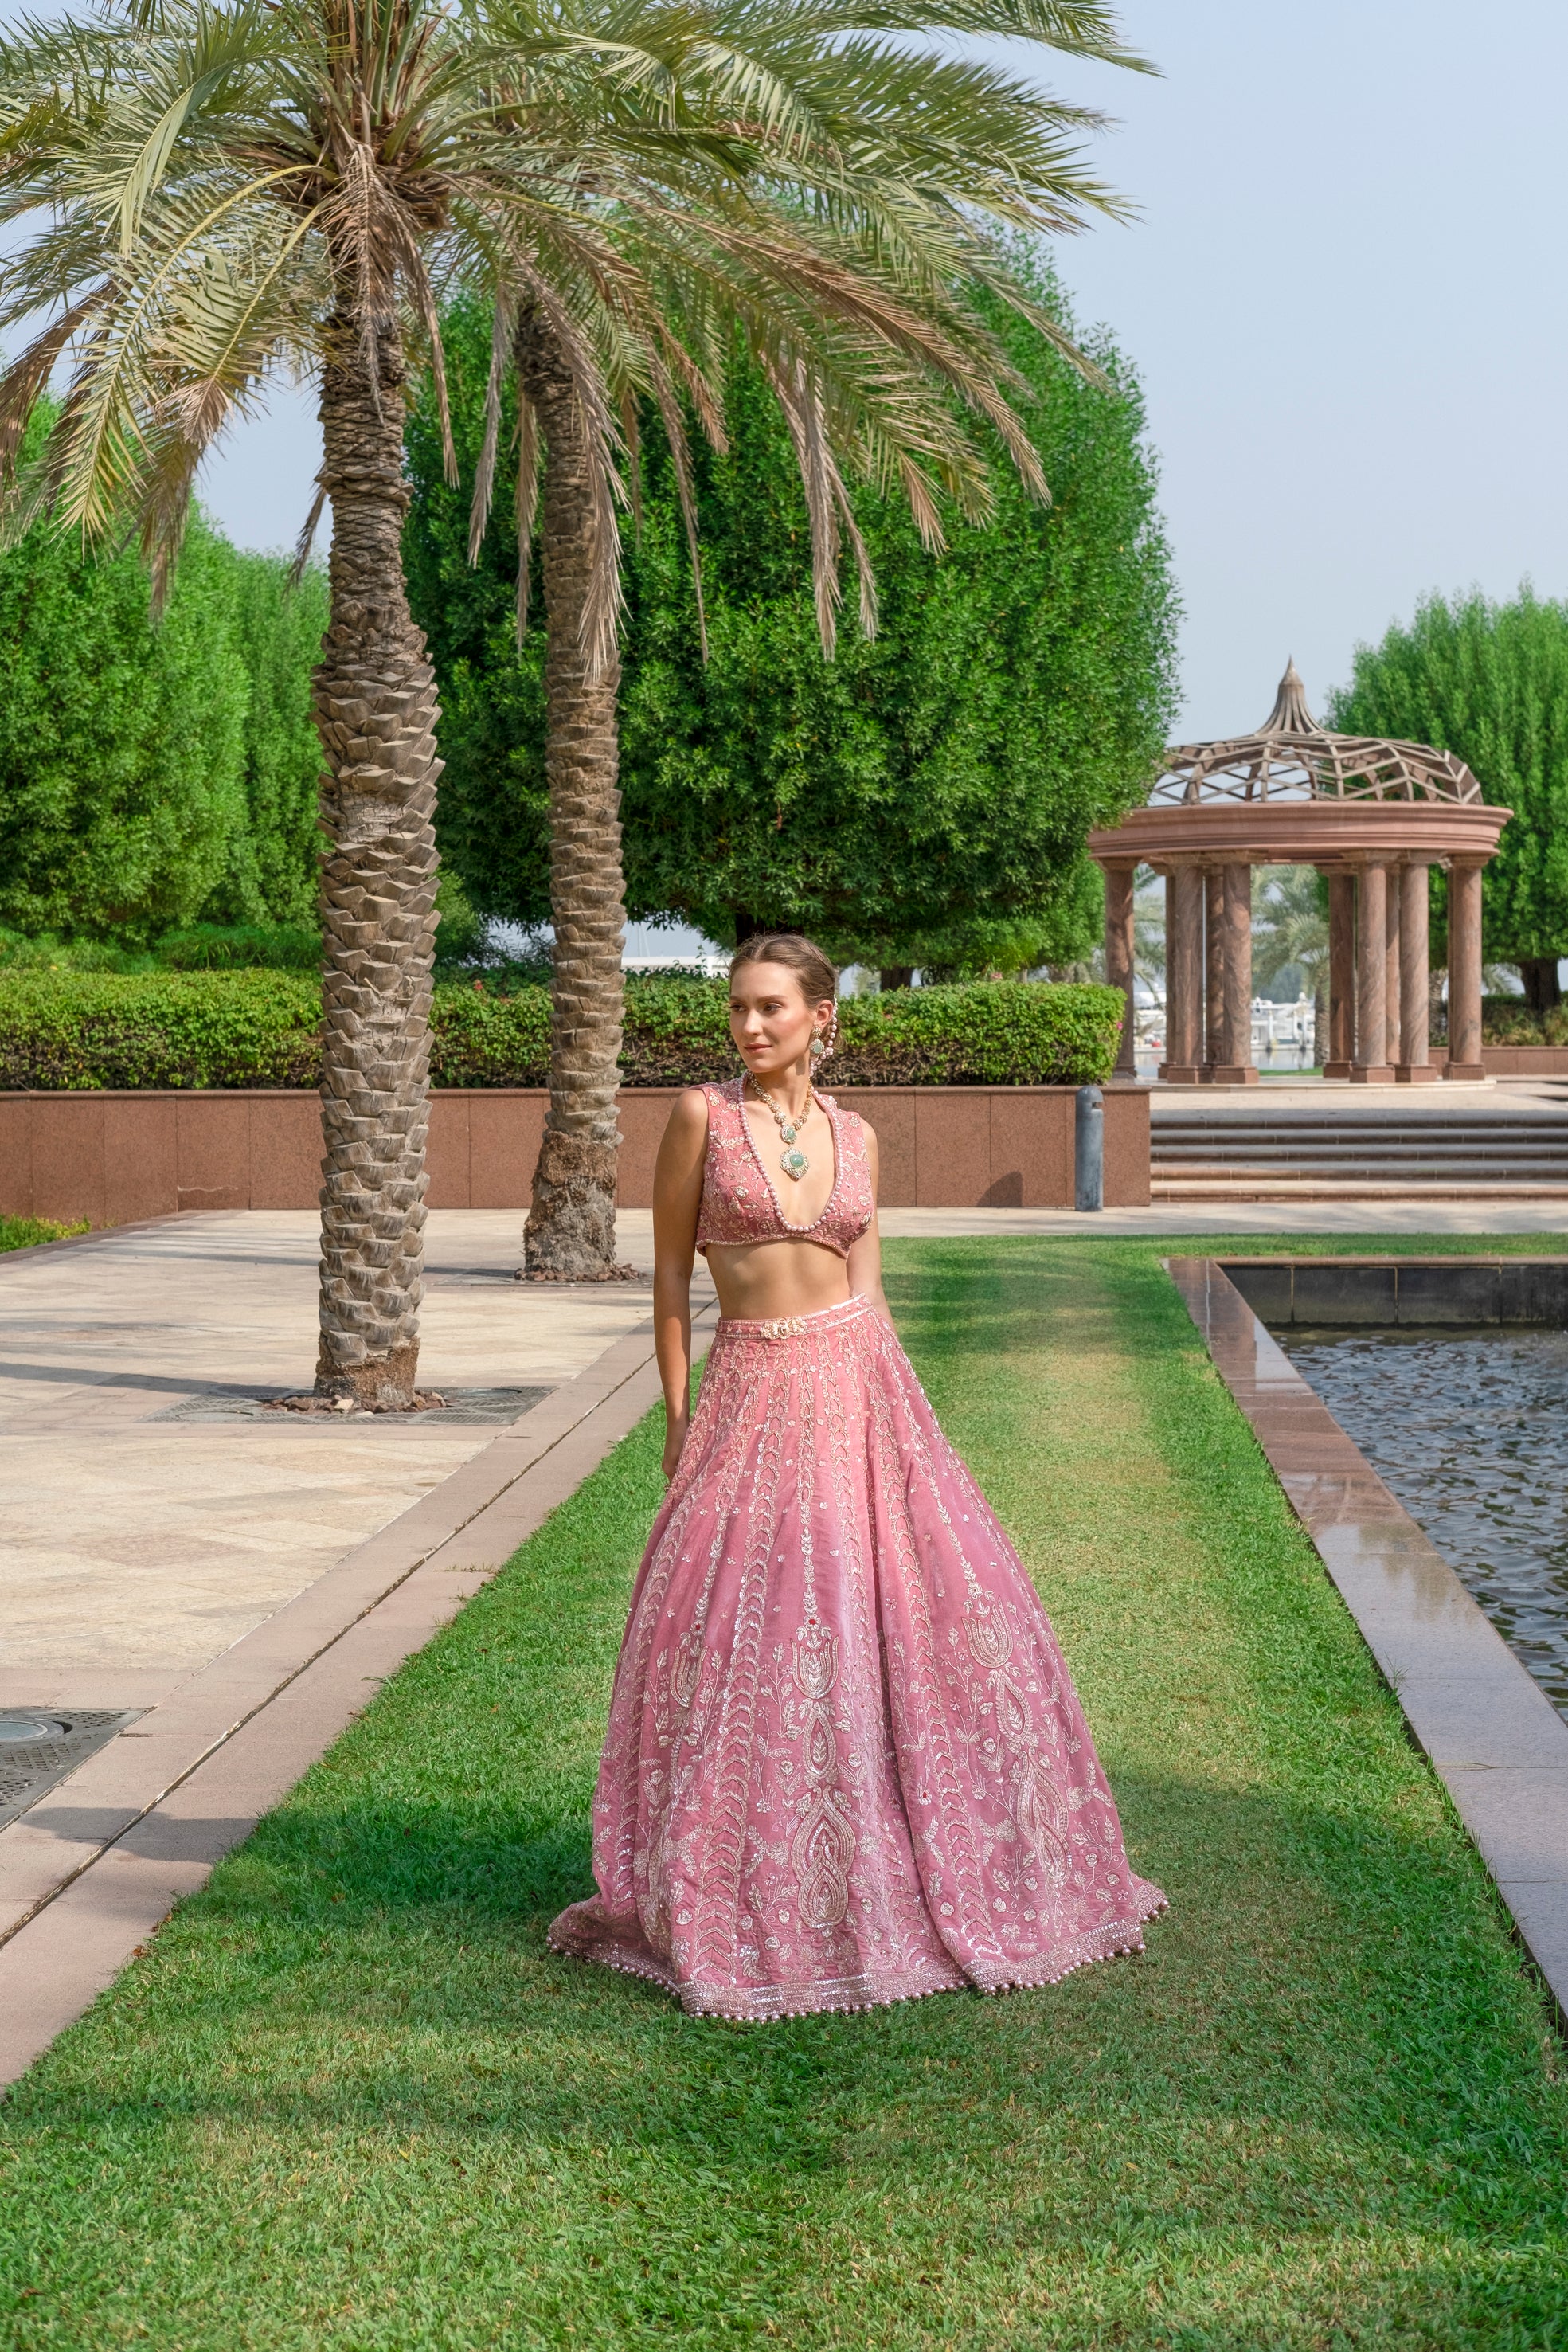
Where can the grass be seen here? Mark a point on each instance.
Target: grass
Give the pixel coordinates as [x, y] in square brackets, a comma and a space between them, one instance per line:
[347, 2099]
[26, 1233]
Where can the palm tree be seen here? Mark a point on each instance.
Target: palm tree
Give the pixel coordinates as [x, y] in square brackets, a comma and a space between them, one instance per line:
[1290, 927]
[231, 189]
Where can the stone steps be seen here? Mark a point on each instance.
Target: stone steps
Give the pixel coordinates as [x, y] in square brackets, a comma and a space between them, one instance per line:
[1240, 1184]
[1360, 1155]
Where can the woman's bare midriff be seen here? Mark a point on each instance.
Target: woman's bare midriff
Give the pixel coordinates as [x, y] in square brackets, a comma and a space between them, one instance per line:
[760, 1281]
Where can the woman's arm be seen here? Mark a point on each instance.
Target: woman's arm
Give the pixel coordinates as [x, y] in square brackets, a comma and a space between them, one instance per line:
[677, 1199]
[865, 1255]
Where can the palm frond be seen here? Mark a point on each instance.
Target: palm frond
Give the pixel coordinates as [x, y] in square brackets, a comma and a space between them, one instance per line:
[484, 474]
[527, 504]
[214, 191]
[26, 377]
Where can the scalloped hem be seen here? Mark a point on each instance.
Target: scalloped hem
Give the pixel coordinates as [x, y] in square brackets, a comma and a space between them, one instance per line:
[846, 1996]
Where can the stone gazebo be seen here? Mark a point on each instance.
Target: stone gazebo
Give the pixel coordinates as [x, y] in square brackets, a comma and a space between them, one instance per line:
[1372, 816]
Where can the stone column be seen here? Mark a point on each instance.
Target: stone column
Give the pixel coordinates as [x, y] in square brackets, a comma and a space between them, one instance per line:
[1413, 1067]
[1212, 967]
[1337, 1050]
[1119, 957]
[1371, 1066]
[1465, 973]
[1184, 975]
[1234, 1066]
[1394, 1016]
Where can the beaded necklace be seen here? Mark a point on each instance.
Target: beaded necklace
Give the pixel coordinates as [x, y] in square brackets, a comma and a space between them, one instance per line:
[792, 1160]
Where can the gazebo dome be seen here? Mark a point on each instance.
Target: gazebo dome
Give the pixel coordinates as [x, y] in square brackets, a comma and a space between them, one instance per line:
[1373, 816]
[1292, 758]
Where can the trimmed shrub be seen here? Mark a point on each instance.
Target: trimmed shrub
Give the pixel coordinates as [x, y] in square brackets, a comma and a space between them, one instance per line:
[987, 1033]
[1509, 1021]
[74, 1029]
[481, 1037]
[65, 1031]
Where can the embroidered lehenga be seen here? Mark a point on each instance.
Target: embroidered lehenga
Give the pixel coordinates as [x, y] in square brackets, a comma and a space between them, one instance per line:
[845, 1762]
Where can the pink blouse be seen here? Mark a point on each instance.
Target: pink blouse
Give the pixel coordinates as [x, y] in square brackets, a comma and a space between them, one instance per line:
[740, 1200]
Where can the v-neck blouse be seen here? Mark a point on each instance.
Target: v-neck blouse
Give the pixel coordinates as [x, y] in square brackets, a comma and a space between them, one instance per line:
[740, 1203]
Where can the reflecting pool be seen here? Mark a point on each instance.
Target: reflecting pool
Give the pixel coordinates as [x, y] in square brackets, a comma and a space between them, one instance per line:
[1470, 1431]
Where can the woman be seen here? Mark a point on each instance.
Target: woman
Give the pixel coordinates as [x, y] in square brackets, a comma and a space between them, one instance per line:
[845, 1762]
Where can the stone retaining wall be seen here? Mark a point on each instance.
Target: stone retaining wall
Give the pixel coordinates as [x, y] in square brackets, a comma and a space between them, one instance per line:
[115, 1158]
[1516, 1061]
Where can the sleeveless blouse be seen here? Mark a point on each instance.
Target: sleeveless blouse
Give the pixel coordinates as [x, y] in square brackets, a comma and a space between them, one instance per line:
[740, 1202]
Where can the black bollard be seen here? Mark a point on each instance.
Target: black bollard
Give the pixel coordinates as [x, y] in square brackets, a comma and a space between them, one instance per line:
[1089, 1149]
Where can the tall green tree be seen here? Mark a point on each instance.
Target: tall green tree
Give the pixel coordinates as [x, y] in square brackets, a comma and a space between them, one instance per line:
[1490, 682]
[279, 626]
[122, 740]
[154, 769]
[920, 798]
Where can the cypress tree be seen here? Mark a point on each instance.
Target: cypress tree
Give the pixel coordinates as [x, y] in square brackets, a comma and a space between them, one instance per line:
[160, 771]
[1490, 682]
[121, 740]
[278, 631]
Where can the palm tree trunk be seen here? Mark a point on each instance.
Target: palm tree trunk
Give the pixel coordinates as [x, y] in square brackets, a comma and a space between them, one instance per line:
[570, 1231]
[376, 712]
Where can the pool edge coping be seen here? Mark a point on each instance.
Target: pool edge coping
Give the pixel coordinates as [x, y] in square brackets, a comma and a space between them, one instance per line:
[1485, 1724]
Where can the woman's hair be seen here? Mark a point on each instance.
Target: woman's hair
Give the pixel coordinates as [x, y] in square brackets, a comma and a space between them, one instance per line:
[818, 979]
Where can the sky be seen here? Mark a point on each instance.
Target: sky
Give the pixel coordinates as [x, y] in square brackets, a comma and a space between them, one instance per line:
[1343, 292]
[1345, 296]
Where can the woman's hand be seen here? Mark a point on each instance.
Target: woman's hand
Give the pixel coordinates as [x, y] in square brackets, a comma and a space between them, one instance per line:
[674, 1440]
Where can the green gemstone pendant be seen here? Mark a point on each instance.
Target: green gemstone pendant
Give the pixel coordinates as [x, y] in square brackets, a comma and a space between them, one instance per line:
[794, 1163]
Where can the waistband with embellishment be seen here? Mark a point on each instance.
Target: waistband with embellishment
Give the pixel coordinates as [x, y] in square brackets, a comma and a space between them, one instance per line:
[793, 1326]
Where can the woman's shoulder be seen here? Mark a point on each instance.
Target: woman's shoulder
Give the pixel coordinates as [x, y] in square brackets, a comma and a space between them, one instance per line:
[689, 1117]
[691, 1105]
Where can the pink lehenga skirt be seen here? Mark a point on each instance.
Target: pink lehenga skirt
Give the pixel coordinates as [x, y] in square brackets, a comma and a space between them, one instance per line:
[845, 1762]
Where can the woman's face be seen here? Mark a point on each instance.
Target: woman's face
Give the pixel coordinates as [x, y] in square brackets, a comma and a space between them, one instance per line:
[770, 1021]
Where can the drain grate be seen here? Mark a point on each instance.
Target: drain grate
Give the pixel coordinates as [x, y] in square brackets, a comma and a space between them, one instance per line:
[461, 1405]
[39, 1745]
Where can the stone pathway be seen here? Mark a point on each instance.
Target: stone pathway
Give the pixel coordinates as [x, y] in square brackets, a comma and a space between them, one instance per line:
[134, 1547]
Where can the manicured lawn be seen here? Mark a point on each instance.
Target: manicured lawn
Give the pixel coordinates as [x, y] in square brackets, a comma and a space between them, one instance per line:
[25, 1233]
[348, 2100]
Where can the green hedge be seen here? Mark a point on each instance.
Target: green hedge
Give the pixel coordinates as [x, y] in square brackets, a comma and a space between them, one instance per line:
[28, 1233]
[70, 1030]
[1509, 1021]
[75, 1030]
[996, 1033]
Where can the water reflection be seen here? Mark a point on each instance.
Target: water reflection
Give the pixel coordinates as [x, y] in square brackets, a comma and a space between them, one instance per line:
[1470, 1431]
